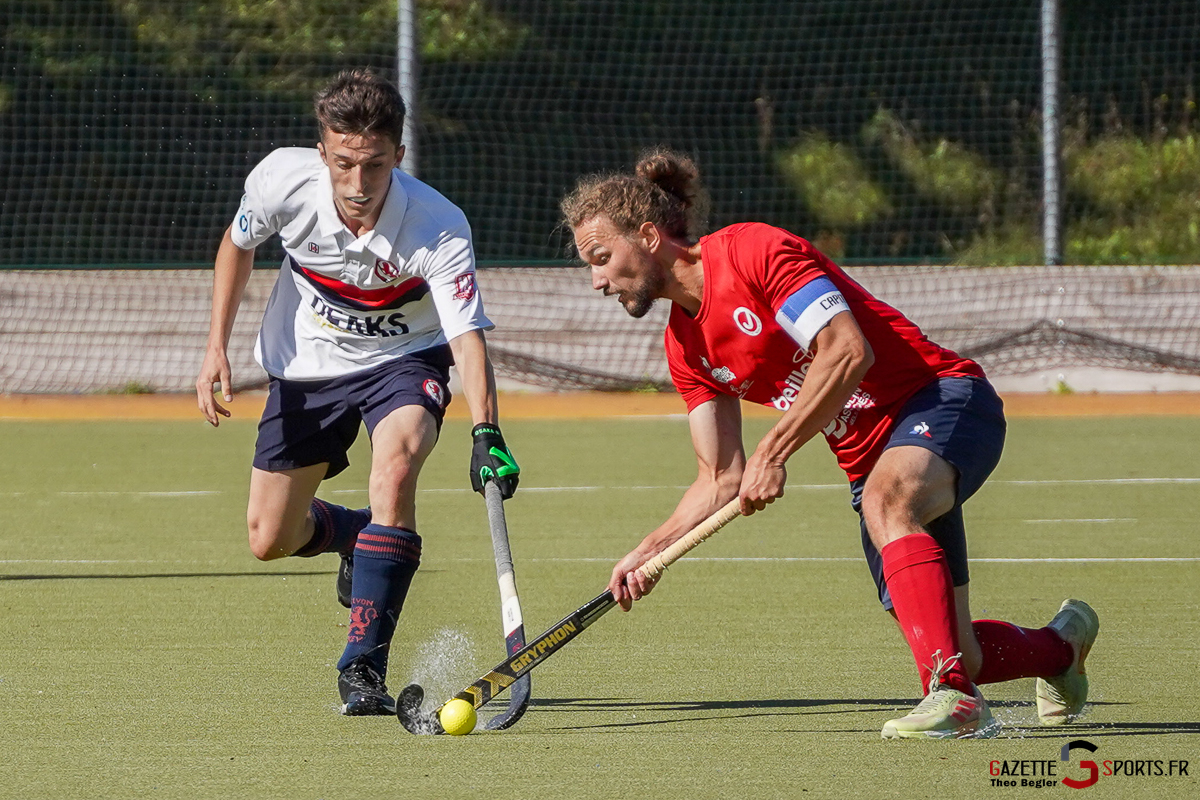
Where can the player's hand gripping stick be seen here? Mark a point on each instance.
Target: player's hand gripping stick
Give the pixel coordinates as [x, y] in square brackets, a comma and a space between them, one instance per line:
[520, 663]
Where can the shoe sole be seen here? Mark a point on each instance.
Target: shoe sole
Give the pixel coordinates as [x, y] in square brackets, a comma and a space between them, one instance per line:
[364, 707]
[979, 729]
[971, 730]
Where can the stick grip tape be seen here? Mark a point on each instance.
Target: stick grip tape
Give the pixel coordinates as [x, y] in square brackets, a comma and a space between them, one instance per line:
[657, 565]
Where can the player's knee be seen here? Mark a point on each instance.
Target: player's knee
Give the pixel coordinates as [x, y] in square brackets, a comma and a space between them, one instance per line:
[396, 479]
[888, 516]
[264, 538]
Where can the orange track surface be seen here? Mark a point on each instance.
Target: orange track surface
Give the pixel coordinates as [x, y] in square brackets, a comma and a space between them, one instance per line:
[565, 405]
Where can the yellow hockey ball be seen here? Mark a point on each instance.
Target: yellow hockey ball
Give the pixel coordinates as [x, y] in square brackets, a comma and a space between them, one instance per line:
[457, 717]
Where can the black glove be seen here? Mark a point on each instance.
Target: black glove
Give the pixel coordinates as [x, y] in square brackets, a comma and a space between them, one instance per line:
[491, 460]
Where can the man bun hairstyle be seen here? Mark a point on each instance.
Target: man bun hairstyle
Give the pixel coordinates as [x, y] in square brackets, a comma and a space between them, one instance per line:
[360, 102]
[664, 189]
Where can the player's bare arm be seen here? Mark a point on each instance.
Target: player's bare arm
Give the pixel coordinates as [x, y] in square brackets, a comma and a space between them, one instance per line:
[231, 273]
[478, 378]
[841, 358]
[716, 429]
[490, 457]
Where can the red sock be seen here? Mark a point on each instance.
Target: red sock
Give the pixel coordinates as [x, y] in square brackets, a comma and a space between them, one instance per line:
[918, 579]
[1011, 652]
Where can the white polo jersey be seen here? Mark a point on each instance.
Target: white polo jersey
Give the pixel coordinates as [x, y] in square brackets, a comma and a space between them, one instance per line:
[342, 304]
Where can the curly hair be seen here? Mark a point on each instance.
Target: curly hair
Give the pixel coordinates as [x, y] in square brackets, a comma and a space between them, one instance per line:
[664, 189]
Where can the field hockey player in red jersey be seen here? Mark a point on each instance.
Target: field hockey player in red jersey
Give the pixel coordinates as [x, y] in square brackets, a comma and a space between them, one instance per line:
[759, 314]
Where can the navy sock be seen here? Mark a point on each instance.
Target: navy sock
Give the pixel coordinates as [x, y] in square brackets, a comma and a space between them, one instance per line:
[385, 560]
[335, 528]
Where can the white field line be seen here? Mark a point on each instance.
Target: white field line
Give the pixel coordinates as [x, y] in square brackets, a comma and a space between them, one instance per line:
[611, 559]
[1103, 519]
[674, 487]
[806, 559]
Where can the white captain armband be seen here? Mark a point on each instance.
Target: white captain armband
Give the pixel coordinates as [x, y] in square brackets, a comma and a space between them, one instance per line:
[809, 309]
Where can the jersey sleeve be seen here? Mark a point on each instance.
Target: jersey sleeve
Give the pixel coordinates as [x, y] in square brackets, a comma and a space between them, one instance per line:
[693, 390]
[793, 278]
[254, 224]
[449, 269]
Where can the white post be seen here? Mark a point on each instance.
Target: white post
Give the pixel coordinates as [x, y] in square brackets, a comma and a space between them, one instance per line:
[407, 60]
[1052, 225]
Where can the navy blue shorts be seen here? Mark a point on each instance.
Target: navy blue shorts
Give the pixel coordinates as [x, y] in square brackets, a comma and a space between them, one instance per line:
[961, 420]
[313, 422]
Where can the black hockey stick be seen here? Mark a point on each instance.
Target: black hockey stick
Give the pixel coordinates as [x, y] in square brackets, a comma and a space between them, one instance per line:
[519, 664]
[510, 607]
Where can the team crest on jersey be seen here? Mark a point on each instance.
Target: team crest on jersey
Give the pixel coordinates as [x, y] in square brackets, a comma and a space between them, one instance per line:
[386, 270]
[313, 248]
[747, 321]
[464, 287]
[435, 392]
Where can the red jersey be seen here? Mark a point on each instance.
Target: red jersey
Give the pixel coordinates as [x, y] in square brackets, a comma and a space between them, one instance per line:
[766, 293]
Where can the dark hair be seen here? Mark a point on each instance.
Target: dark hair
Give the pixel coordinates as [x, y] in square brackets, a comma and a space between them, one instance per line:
[360, 102]
[664, 189]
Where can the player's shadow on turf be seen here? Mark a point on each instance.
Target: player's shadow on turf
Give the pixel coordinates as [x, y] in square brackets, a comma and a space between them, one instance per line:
[618, 703]
[1088, 730]
[807, 706]
[142, 575]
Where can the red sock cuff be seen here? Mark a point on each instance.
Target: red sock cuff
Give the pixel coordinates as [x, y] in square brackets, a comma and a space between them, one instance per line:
[908, 551]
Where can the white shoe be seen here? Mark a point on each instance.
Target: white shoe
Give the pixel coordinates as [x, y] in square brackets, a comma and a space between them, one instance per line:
[1061, 699]
[945, 713]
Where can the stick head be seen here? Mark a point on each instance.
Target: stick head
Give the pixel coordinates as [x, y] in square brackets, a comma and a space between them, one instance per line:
[412, 717]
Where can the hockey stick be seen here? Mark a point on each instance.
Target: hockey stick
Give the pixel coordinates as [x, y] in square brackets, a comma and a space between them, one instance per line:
[510, 606]
[519, 664]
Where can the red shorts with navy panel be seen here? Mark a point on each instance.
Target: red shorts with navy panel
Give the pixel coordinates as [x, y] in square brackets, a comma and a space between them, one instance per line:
[314, 422]
[962, 421]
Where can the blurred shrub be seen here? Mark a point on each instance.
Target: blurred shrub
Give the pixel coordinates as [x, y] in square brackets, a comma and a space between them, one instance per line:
[834, 184]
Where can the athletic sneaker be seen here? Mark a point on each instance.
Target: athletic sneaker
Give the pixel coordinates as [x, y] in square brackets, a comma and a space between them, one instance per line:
[345, 579]
[1060, 699]
[945, 713]
[363, 691]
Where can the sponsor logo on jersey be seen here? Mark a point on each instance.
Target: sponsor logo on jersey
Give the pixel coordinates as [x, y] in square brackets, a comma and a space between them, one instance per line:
[791, 388]
[386, 270]
[722, 374]
[839, 425]
[464, 287]
[725, 375]
[372, 325]
[921, 429]
[313, 248]
[747, 321]
[435, 392]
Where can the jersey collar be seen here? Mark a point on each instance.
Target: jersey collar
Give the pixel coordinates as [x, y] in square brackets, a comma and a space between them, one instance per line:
[378, 239]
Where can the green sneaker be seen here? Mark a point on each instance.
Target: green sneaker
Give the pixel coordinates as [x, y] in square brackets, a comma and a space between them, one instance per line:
[1060, 699]
[945, 713]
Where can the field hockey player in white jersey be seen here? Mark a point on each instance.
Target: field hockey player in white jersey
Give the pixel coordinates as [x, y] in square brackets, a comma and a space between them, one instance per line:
[376, 299]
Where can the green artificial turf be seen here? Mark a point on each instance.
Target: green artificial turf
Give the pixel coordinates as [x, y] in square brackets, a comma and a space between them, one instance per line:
[145, 653]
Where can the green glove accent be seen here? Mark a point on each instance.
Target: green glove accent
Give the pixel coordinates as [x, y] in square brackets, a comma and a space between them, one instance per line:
[491, 460]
